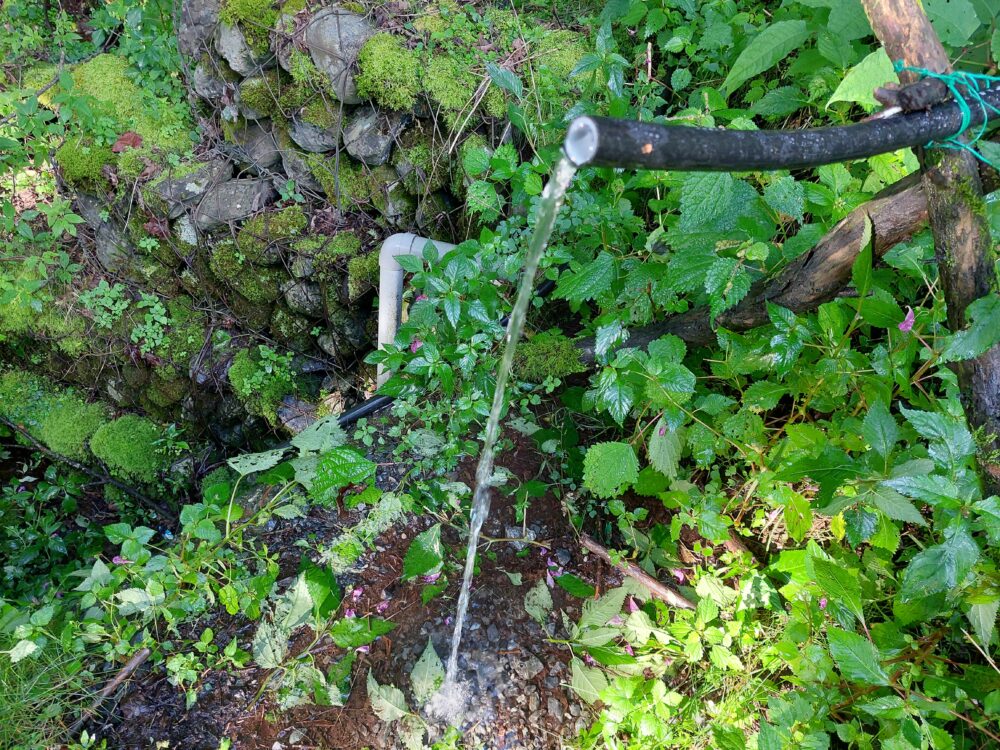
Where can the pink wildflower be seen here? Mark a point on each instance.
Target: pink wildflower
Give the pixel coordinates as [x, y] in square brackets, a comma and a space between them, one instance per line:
[356, 593]
[432, 577]
[822, 603]
[679, 574]
[119, 560]
[415, 344]
[549, 579]
[349, 613]
[616, 620]
[382, 606]
[362, 649]
[631, 605]
[907, 325]
[589, 659]
[663, 430]
[420, 298]
[628, 650]
[447, 620]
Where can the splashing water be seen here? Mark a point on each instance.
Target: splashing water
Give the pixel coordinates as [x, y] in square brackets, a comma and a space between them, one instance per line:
[548, 208]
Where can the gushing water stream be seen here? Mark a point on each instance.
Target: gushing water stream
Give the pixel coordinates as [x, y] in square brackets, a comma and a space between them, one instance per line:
[450, 698]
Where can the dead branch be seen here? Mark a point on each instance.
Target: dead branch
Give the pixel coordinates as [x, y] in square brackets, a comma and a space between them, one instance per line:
[633, 571]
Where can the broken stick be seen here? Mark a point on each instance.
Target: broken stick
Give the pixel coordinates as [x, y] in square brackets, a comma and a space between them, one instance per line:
[657, 589]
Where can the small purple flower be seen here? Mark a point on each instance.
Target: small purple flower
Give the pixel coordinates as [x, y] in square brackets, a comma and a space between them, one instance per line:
[631, 606]
[362, 649]
[616, 620]
[587, 658]
[382, 606]
[663, 430]
[415, 344]
[822, 603]
[543, 551]
[119, 560]
[907, 325]
[679, 574]
[356, 593]
[628, 650]
[349, 613]
[420, 298]
[447, 620]
[549, 579]
[432, 577]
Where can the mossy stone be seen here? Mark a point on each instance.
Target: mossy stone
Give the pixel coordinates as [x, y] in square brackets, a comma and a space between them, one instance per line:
[388, 72]
[127, 446]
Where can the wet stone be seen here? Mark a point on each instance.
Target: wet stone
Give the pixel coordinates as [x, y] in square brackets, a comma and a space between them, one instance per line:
[555, 709]
[526, 667]
[493, 633]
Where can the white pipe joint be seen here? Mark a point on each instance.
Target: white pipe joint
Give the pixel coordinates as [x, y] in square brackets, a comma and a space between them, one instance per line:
[390, 285]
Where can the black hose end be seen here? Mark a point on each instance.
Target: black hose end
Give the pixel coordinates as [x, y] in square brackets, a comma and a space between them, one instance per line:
[582, 137]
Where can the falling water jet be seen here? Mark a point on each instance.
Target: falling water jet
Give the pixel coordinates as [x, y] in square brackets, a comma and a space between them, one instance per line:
[449, 702]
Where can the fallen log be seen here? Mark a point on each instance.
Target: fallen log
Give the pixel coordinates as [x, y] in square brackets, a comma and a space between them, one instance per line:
[657, 589]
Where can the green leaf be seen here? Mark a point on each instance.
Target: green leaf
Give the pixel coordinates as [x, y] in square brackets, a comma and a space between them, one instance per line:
[22, 650]
[596, 613]
[425, 555]
[767, 49]
[270, 645]
[339, 468]
[951, 441]
[609, 468]
[780, 102]
[862, 80]
[856, 657]
[475, 161]
[588, 682]
[839, 584]
[680, 79]
[995, 45]
[505, 79]
[955, 21]
[482, 198]
[798, 515]
[943, 567]
[665, 446]
[786, 196]
[879, 429]
[575, 585]
[322, 435]
[705, 197]
[295, 605]
[387, 701]
[352, 632]
[538, 602]
[427, 674]
[137, 601]
[250, 463]
[983, 618]
[982, 334]
[895, 506]
[591, 281]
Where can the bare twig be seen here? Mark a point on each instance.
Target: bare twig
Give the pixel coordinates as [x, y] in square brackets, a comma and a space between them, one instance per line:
[657, 589]
[113, 684]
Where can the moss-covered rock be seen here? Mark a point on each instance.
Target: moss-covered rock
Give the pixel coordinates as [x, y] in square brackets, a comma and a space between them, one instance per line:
[257, 285]
[82, 164]
[255, 18]
[547, 354]
[127, 446]
[69, 424]
[261, 377]
[388, 72]
[291, 329]
[330, 259]
[269, 230]
[422, 164]
[362, 275]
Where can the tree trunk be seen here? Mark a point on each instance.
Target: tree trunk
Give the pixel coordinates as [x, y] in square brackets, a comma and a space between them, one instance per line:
[956, 211]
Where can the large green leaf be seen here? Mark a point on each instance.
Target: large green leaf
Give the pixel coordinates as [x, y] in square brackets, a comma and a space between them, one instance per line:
[609, 468]
[664, 447]
[591, 281]
[588, 682]
[322, 435]
[982, 334]
[425, 555]
[705, 197]
[839, 584]
[427, 675]
[250, 463]
[856, 657]
[387, 701]
[767, 49]
[942, 567]
[880, 429]
[954, 21]
[352, 632]
[339, 468]
[983, 618]
[861, 80]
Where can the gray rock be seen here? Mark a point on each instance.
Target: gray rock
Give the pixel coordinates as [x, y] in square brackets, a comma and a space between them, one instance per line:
[184, 231]
[526, 667]
[328, 344]
[493, 633]
[112, 247]
[516, 532]
[304, 297]
[563, 556]
[295, 414]
[198, 19]
[555, 709]
[207, 83]
[398, 207]
[255, 146]
[370, 134]
[232, 201]
[89, 207]
[230, 43]
[334, 37]
[302, 266]
[349, 330]
[534, 702]
[178, 193]
[314, 137]
[296, 169]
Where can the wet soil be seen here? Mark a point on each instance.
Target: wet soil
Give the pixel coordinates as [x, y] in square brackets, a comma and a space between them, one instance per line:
[517, 678]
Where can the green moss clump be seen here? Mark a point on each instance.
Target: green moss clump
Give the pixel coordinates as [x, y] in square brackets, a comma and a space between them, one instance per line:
[449, 83]
[547, 354]
[218, 475]
[305, 73]
[423, 167]
[266, 229]
[320, 113]
[291, 7]
[257, 285]
[127, 446]
[165, 392]
[261, 93]
[255, 19]
[185, 336]
[82, 164]
[558, 52]
[352, 182]
[24, 399]
[388, 72]
[328, 260]
[69, 424]
[362, 274]
[261, 378]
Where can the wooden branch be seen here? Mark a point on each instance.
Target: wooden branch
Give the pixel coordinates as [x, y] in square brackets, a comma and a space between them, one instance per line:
[954, 201]
[123, 674]
[656, 588]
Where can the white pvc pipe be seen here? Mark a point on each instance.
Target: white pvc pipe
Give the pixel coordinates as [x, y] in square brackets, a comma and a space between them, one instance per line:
[390, 285]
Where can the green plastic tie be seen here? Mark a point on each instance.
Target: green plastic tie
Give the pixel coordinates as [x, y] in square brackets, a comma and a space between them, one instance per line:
[973, 85]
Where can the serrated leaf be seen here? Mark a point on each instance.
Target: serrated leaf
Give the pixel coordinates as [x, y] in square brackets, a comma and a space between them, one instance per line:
[763, 395]
[982, 334]
[786, 196]
[879, 429]
[588, 682]
[955, 21]
[425, 555]
[983, 618]
[482, 198]
[609, 468]
[856, 657]
[339, 468]
[766, 50]
[22, 650]
[862, 80]
[322, 435]
[797, 514]
[895, 506]
[596, 613]
[352, 632]
[780, 102]
[505, 79]
[705, 197]
[665, 446]
[680, 79]
[839, 584]
[942, 567]
[538, 602]
[388, 702]
[270, 645]
[295, 605]
[591, 281]
[134, 601]
[427, 675]
[475, 161]
[250, 463]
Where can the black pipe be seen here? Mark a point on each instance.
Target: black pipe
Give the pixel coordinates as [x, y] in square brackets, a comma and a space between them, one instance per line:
[608, 142]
